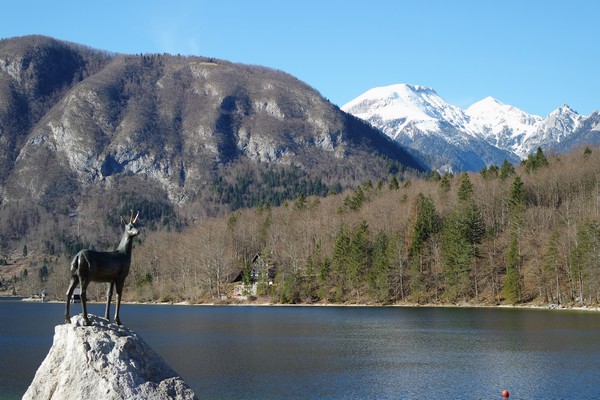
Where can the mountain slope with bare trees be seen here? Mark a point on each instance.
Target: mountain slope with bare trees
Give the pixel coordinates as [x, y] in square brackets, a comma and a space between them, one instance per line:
[86, 132]
[508, 235]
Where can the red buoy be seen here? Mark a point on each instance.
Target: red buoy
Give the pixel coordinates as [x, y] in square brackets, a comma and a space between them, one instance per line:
[505, 394]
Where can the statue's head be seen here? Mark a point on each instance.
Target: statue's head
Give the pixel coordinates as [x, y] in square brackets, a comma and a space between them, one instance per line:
[130, 228]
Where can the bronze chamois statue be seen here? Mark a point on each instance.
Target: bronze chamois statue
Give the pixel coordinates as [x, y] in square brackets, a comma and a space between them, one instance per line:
[111, 267]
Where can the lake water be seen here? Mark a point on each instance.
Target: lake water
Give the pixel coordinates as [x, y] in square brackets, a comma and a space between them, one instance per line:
[339, 352]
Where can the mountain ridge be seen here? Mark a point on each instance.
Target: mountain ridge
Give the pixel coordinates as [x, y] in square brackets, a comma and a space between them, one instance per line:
[79, 124]
[410, 113]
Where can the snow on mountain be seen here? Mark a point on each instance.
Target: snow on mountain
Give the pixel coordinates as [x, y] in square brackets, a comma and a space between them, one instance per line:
[406, 106]
[502, 125]
[487, 132]
[559, 124]
[586, 133]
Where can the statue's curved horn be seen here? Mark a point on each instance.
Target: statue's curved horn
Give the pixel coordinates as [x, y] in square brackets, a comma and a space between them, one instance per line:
[136, 217]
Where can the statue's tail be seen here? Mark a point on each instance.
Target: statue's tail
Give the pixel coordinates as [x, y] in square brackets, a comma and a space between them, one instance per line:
[80, 259]
[75, 263]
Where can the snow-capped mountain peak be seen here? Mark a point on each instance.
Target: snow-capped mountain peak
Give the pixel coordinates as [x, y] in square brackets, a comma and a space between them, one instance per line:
[492, 111]
[502, 125]
[486, 105]
[559, 124]
[405, 105]
[565, 111]
[394, 102]
[487, 132]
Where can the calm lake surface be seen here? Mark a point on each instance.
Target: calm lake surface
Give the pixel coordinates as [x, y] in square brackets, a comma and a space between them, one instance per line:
[339, 352]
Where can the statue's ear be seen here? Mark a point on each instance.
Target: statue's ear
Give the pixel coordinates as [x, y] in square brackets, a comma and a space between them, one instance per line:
[123, 221]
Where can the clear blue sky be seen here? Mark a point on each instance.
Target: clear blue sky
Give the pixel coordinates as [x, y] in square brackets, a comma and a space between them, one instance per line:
[533, 54]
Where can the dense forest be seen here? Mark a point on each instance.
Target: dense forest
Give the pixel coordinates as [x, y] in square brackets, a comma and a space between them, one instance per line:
[507, 235]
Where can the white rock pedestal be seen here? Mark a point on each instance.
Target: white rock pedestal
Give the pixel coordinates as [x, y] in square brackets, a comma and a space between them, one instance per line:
[104, 361]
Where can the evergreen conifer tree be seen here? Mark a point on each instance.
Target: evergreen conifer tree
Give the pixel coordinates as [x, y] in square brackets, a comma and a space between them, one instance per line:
[358, 260]
[462, 231]
[445, 184]
[424, 224]
[300, 202]
[465, 188]
[378, 276]
[535, 161]
[550, 270]
[340, 262]
[517, 202]
[584, 262]
[512, 280]
[506, 170]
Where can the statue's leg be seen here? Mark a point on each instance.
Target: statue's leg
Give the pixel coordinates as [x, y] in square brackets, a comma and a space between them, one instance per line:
[74, 282]
[118, 306]
[84, 284]
[109, 293]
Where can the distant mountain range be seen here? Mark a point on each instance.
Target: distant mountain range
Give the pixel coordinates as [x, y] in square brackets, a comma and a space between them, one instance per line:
[488, 132]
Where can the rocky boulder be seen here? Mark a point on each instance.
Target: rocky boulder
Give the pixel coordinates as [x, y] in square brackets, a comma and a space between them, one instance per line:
[104, 361]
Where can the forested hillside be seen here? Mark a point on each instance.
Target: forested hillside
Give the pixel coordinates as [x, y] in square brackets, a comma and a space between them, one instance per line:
[508, 234]
[85, 135]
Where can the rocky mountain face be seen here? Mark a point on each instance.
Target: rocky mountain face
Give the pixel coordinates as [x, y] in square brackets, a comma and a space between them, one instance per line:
[104, 361]
[587, 133]
[488, 132]
[35, 73]
[76, 123]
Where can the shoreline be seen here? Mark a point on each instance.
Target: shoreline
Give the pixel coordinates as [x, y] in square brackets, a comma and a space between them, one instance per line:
[531, 306]
[549, 307]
